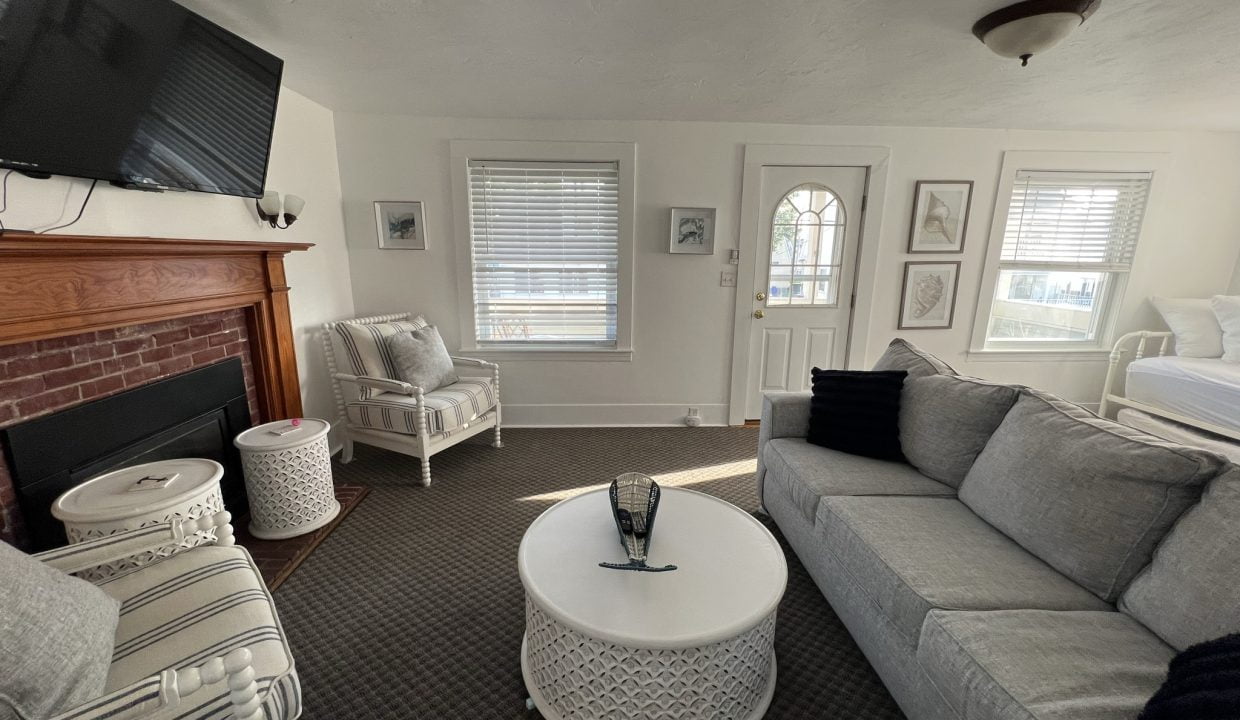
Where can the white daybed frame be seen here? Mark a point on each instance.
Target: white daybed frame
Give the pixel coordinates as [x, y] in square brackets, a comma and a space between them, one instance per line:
[1139, 342]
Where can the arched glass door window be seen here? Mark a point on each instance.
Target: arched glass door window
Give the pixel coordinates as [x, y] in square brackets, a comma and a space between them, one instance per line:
[807, 249]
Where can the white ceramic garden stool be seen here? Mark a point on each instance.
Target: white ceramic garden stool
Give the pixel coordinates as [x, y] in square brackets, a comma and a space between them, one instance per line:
[140, 496]
[288, 477]
[696, 642]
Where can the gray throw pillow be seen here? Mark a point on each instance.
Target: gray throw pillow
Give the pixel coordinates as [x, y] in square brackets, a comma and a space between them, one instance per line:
[904, 355]
[56, 638]
[945, 421]
[1089, 496]
[1190, 593]
[421, 359]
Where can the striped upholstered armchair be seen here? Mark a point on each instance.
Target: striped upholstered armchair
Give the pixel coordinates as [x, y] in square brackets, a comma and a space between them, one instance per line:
[198, 635]
[375, 408]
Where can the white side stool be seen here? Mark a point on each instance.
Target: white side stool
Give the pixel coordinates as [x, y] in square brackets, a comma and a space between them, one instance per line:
[288, 476]
[140, 496]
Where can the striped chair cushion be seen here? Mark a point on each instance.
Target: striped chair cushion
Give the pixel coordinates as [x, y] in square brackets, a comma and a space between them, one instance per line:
[449, 408]
[367, 352]
[196, 605]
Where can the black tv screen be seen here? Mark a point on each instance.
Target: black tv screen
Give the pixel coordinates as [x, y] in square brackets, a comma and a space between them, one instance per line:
[137, 92]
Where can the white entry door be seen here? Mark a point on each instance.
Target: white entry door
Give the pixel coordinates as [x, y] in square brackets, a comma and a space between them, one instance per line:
[810, 223]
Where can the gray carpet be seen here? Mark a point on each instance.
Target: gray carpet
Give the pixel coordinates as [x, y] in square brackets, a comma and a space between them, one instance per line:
[412, 608]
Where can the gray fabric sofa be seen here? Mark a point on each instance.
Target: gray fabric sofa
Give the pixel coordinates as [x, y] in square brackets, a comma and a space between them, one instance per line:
[1030, 560]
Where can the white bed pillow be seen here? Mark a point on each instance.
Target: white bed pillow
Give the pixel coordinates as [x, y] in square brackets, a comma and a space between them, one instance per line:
[1195, 325]
[1227, 312]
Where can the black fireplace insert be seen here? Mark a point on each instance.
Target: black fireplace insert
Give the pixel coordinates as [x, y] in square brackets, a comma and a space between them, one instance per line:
[195, 414]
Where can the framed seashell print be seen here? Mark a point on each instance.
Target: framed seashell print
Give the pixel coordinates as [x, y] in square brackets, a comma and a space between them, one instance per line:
[940, 216]
[928, 297]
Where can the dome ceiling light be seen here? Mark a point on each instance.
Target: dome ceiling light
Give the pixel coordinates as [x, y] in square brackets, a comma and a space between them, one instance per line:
[1032, 27]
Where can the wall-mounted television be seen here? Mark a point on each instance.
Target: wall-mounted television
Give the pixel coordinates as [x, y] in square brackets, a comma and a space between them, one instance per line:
[141, 93]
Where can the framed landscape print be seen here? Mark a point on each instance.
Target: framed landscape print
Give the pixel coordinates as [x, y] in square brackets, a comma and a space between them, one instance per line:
[940, 216]
[928, 296]
[400, 225]
[693, 231]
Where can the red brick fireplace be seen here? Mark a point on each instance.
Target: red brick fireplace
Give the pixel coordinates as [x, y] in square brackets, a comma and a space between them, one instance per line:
[87, 317]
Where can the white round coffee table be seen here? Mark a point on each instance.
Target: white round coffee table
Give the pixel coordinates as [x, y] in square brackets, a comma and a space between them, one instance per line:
[696, 642]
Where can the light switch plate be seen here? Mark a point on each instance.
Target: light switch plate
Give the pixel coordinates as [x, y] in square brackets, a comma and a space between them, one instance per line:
[727, 278]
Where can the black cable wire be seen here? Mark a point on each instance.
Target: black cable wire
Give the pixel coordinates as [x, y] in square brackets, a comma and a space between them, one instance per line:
[85, 200]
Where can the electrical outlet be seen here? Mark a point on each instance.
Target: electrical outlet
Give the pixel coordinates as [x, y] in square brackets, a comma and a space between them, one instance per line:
[727, 278]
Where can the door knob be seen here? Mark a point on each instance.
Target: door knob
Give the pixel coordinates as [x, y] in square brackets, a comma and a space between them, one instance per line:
[759, 314]
[760, 296]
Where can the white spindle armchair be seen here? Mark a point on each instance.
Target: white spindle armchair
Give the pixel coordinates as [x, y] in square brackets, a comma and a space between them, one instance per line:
[207, 645]
[375, 408]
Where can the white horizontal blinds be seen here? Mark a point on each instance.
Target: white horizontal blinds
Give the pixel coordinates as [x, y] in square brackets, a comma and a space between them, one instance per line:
[546, 244]
[1089, 221]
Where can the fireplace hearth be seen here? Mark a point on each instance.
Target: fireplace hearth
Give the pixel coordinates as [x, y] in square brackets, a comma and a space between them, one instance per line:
[194, 414]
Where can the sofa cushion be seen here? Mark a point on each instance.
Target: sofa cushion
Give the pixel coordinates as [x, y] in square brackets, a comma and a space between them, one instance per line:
[1190, 593]
[857, 412]
[1089, 496]
[449, 407]
[904, 355]
[56, 635]
[807, 473]
[196, 605]
[1027, 664]
[911, 555]
[366, 349]
[945, 421]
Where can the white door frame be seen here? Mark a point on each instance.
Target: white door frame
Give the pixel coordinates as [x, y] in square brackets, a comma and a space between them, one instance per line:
[875, 160]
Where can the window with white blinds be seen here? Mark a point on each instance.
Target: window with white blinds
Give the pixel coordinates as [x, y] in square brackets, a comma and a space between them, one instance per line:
[1086, 220]
[1068, 243]
[545, 246]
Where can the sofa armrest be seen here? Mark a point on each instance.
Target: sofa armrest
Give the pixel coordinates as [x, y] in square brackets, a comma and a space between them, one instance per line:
[380, 384]
[120, 546]
[783, 415]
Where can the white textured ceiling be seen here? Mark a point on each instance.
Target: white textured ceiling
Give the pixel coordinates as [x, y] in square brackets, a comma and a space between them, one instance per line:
[1136, 64]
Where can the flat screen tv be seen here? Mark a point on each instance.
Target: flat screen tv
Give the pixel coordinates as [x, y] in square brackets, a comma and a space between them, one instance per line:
[141, 93]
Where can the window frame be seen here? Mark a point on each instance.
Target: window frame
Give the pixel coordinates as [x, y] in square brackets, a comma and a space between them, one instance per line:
[625, 157]
[1114, 301]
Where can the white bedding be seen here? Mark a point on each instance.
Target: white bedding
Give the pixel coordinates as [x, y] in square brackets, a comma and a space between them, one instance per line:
[1205, 389]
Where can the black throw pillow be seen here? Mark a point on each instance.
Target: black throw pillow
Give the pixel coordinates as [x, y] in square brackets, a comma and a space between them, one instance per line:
[857, 412]
[1203, 683]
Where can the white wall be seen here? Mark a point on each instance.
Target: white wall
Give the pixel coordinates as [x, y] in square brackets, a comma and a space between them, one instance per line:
[1235, 280]
[683, 319]
[303, 162]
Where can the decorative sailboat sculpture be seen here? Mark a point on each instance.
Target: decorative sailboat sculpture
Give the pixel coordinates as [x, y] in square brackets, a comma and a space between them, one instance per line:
[634, 501]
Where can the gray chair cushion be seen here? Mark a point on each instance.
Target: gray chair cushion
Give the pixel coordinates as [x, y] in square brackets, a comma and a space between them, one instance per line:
[1190, 593]
[1089, 496]
[911, 555]
[904, 355]
[56, 638]
[421, 359]
[808, 473]
[1026, 664]
[945, 421]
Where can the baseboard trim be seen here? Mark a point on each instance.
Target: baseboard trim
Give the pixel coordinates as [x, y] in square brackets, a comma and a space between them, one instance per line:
[611, 415]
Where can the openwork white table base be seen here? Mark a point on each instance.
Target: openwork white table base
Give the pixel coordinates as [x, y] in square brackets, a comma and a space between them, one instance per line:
[571, 676]
[290, 485]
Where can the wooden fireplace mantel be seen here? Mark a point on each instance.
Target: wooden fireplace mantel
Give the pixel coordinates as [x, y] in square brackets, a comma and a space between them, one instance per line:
[56, 285]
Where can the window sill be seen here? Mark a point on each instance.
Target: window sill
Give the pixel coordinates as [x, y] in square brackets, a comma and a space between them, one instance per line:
[560, 354]
[1036, 355]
